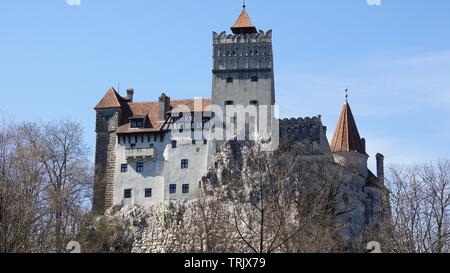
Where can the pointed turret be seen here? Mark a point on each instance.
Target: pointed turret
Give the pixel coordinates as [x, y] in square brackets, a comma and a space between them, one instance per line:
[347, 138]
[243, 24]
[349, 149]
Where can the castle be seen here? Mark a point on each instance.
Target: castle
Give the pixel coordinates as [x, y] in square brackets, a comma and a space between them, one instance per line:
[151, 152]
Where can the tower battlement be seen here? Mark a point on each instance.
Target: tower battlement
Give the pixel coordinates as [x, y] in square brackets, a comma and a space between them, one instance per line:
[225, 38]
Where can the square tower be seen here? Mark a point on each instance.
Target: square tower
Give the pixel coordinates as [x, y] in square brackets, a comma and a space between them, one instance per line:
[243, 66]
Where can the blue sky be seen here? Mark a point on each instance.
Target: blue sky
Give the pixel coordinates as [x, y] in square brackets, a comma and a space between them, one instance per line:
[58, 60]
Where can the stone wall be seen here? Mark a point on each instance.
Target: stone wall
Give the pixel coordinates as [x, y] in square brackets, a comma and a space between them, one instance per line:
[107, 122]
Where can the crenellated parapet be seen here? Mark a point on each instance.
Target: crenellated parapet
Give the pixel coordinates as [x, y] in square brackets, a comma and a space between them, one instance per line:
[225, 38]
[242, 51]
[306, 130]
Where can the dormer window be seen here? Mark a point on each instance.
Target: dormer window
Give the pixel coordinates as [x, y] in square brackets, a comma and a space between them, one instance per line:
[137, 123]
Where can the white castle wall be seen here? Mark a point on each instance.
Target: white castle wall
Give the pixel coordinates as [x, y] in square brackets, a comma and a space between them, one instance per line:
[161, 171]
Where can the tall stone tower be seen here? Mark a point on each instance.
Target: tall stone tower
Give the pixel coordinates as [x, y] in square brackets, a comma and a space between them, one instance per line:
[109, 112]
[243, 66]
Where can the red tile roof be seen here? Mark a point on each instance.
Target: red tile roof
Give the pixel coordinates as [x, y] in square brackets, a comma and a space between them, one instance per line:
[243, 24]
[150, 110]
[111, 100]
[347, 138]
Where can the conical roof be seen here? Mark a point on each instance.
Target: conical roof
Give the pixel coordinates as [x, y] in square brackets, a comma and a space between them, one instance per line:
[347, 138]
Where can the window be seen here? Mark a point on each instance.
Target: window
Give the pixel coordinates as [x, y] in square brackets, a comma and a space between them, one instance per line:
[137, 123]
[174, 144]
[139, 167]
[148, 193]
[185, 188]
[127, 194]
[254, 102]
[254, 79]
[205, 142]
[172, 188]
[184, 164]
[133, 145]
[229, 80]
[194, 142]
[124, 168]
[229, 102]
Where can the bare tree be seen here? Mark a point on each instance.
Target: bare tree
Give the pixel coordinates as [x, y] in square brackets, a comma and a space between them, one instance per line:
[45, 185]
[275, 197]
[420, 200]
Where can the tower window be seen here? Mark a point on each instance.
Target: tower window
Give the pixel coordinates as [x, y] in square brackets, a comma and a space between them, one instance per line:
[184, 164]
[123, 168]
[140, 167]
[229, 80]
[148, 193]
[185, 188]
[254, 102]
[127, 193]
[254, 79]
[229, 102]
[172, 188]
[174, 144]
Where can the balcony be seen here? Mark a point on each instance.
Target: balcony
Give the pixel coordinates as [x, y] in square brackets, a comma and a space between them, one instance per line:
[144, 153]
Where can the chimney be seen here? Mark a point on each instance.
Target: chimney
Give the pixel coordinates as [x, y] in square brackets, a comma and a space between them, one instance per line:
[130, 94]
[380, 168]
[164, 106]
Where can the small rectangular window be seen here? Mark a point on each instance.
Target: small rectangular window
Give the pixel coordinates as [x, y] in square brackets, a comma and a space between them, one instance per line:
[254, 79]
[194, 142]
[174, 144]
[254, 102]
[148, 193]
[172, 188]
[123, 168]
[205, 142]
[185, 188]
[184, 163]
[140, 167]
[229, 102]
[127, 193]
[137, 123]
[229, 80]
